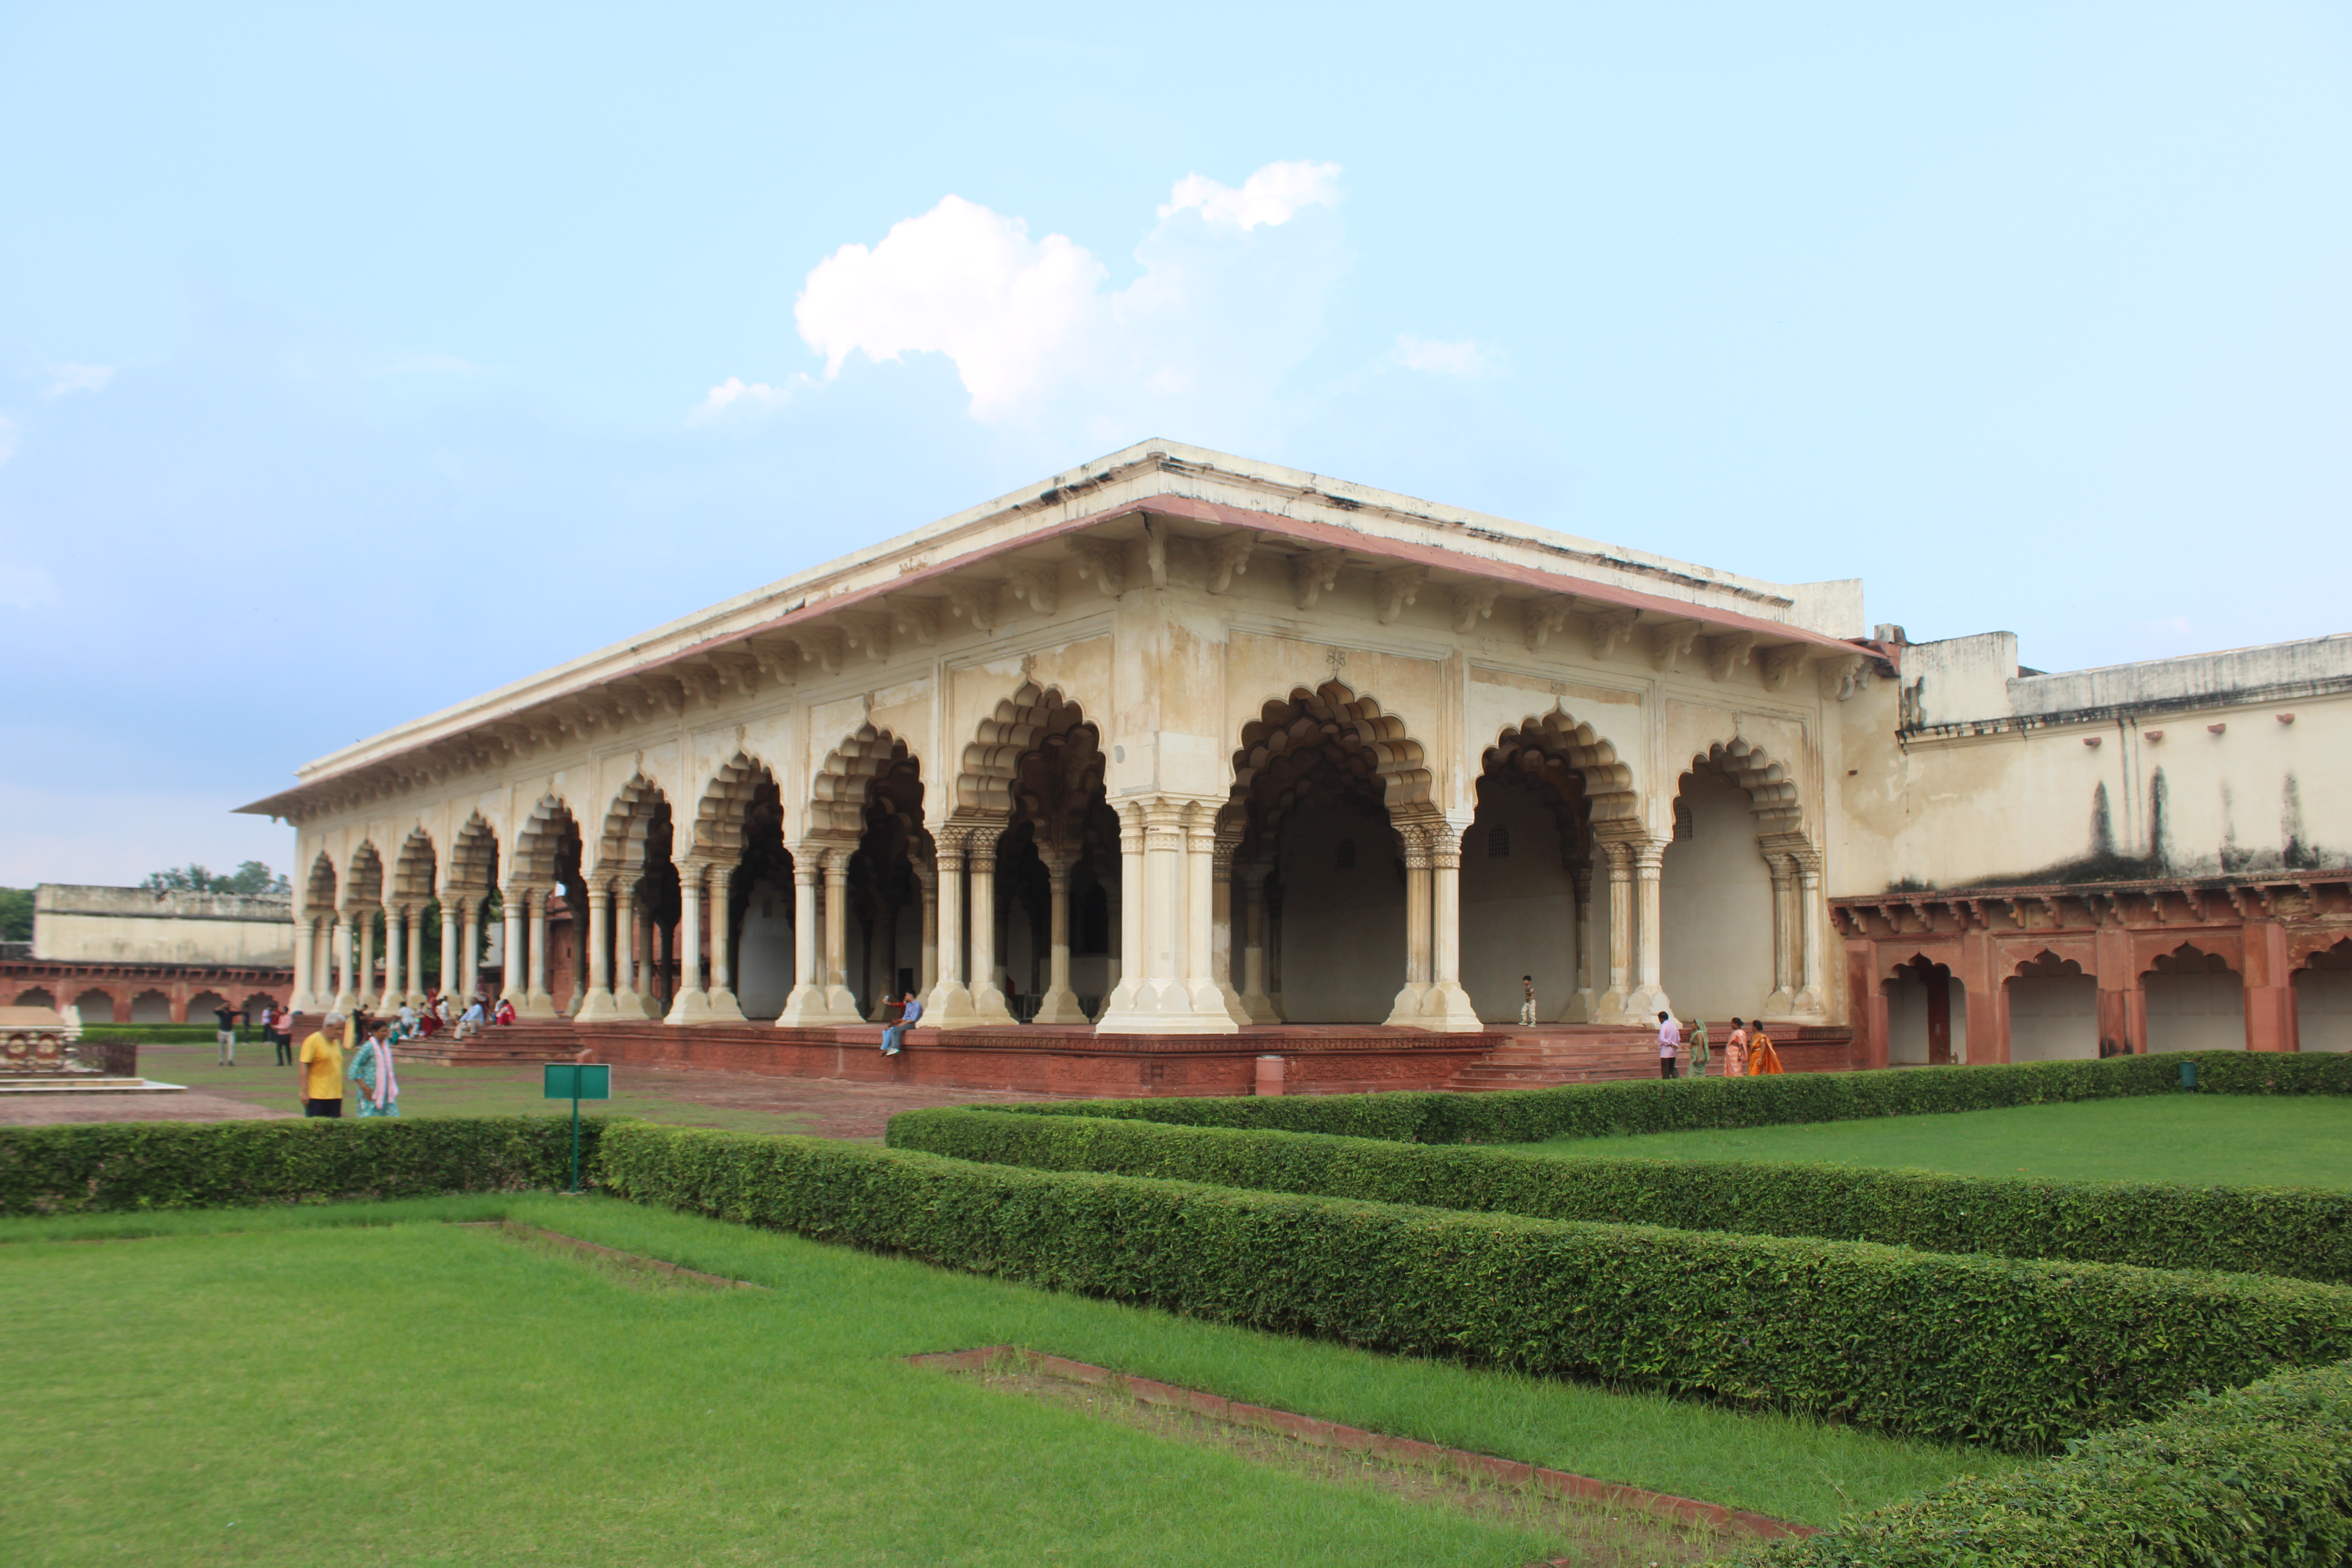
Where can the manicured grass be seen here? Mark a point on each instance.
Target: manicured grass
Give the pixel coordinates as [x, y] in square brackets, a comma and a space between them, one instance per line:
[430, 1089]
[2201, 1138]
[412, 1392]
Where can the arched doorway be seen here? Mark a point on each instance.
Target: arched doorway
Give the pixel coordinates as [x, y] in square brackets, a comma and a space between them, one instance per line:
[39, 996]
[864, 887]
[2053, 1011]
[413, 939]
[95, 1007]
[1526, 887]
[314, 960]
[2322, 1000]
[1926, 1015]
[2196, 1002]
[631, 883]
[151, 1007]
[1715, 905]
[363, 907]
[546, 869]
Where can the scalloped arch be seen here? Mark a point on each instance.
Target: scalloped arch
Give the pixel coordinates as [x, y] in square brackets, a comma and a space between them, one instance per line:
[412, 877]
[1034, 719]
[474, 860]
[1558, 740]
[718, 815]
[319, 888]
[621, 842]
[1293, 739]
[838, 793]
[1770, 789]
[364, 874]
[541, 842]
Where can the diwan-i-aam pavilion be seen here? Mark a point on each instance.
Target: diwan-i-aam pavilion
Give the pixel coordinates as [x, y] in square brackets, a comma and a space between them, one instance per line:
[1180, 771]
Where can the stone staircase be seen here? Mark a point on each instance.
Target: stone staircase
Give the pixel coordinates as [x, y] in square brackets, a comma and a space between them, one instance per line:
[1568, 1054]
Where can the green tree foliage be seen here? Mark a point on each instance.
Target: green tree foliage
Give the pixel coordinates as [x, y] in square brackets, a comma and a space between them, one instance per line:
[251, 879]
[15, 914]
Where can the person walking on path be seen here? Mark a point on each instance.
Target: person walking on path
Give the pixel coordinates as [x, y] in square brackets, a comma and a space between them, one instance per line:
[319, 1077]
[1670, 1036]
[1699, 1051]
[227, 1016]
[1734, 1051]
[370, 1068]
[1528, 1005]
[895, 1035]
[1766, 1059]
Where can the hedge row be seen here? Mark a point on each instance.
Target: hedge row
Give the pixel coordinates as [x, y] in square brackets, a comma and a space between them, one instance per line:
[2302, 1233]
[2260, 1475]
[1676, 1105]
[171, 1165]
[1974, 1349]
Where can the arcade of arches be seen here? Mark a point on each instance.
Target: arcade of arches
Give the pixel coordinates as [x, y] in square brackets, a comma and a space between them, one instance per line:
[1326, 887]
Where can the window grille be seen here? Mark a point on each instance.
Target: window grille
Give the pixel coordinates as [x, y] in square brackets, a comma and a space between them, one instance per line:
[1498, 843]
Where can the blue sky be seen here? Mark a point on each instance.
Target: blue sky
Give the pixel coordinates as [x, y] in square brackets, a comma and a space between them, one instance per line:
[355, 360]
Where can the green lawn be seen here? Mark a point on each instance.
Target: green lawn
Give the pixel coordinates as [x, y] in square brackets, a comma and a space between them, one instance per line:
[430, 1089]
[2240, 1140]
[296, 1385]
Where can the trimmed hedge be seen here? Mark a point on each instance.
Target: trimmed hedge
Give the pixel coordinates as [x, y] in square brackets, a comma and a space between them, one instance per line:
[2259, 1475]
[1989, 1350]
[1677, 1105]
[2302, 1233]
[117, 1165]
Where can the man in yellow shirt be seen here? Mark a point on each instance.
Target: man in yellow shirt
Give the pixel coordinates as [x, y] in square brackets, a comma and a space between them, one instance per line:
[320, 1070]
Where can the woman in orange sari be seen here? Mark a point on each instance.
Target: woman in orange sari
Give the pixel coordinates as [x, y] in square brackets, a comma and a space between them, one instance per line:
[1763, 1058]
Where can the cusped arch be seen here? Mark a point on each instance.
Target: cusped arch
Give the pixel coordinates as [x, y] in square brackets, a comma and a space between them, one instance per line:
[412, 870]
[837, 795]
[319, 889]
[1557, 743]
[1920, 963]
[474, 859]
[1295, 737]
[539, 846]
[1771, 788]
[1032, 718]
[2190, 959]
[2043, 966]
[720, 814]
[621, 844]
[363, 874]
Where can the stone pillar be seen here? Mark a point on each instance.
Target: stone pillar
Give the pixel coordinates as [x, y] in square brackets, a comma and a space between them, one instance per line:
[691, 1003]
[470, 959]
[1447, 1008]
[306, 952]
[536, 1002]
[1199, 971]
[806, 1004]
[1783, 999]
[627, 1002]
[840, 1001]
[1114, 908]
[949, 1005]
[927, 877]
[371, 995]
[988, 1004]
[346, 999]
[1156, 996]
[597, 1004]
[512, 975]
[1060, 1004]
[724, 1008]
[413, 921]
[1223, 949]
[1649, 997]
[1419, 965]
[1616, 1003]
[1812, 984]
[2269, 985]
[1127, 964]
[323, 961]
[1584, 1005]
[395, 946]
[1257, 1005]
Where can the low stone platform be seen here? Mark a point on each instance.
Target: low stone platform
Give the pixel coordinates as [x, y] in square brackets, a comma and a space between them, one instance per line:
[1071, 1059]
[83, 1083]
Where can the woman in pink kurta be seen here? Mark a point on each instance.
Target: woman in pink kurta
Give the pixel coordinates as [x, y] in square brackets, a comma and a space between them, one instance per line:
[1734, 1051]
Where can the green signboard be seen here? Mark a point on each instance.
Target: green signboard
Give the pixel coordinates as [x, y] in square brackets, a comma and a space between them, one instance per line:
[576, 1081]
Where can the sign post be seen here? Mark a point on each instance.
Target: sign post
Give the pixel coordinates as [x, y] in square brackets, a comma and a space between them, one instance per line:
[576, 1081]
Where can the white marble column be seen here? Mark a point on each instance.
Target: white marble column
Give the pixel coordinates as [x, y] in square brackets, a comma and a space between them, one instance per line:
[537, 1003]
[988, 1004]
[692, 1002]
[804, 1005]
[1126, 965]
[370, 994]
[1447, 1008]
[395, 946]
[1199, 969]
[1783, 998]
[947, 1005]
[927, 878]
[306, 953]
[1157, 995]
[470, 958]
[323, 961]
[1255, 1004]
[839, 999]
[1649, 999]
[1060, 1004]
[722, 1006]
[514, 977]
[1584, 1003]
[1223, 962]
[597, 1003]
[1617, 858]
[346, 997]
[412, 922]
[1812, 993]
[628, 933]
[1113, 909]
[1404, 1013]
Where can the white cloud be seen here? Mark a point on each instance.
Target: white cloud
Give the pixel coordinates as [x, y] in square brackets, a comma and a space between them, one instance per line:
[1218, 314]
[25, 587]
[65, 378]
[751, 394]
[1272, 195]
[1466, 358]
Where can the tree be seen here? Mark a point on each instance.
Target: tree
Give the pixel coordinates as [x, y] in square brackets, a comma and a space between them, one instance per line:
[15, 914]
[253, 878]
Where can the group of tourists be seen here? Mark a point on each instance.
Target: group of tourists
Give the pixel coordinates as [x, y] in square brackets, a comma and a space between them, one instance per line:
[349, 1050]
[1749, 1051]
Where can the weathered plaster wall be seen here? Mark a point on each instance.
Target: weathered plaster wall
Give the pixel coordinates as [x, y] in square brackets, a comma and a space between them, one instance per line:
[1715, 896]
[1518, 909]
[131, 925]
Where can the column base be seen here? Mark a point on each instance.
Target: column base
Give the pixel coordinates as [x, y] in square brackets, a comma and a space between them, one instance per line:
[700, 1006]
[1583, 1007]
[1617, 1007]
[598, 1006]
[810, 1007]
[949, 1007]
[989, 1006]
[344, 1003]
[303, 1002]
[1259, 1009]
[1405, 1012]
[1060, 1006]
[1163, 1007]
[536, 1004]
[1811, 1008]
[1446, 1009]
[1646, 1002]
[1780, 1004]
[1235, 1009]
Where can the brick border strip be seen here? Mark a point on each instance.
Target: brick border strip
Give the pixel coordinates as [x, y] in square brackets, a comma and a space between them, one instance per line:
[515, 1227]
[1323, 1433]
